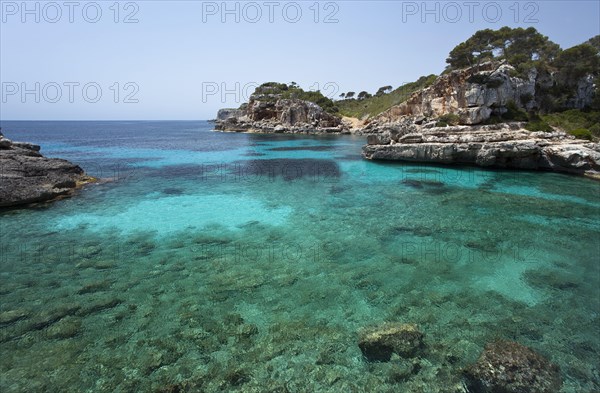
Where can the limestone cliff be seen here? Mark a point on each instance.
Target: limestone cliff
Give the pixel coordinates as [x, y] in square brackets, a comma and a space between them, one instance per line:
[476, 93]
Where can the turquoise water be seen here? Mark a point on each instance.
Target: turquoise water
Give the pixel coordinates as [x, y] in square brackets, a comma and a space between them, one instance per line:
[233, 262]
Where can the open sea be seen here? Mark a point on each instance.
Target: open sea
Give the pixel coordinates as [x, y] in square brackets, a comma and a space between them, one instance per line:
[218, 262]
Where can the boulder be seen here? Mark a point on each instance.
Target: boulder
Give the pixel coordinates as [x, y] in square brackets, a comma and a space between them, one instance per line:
[509, 367]
[380, 342]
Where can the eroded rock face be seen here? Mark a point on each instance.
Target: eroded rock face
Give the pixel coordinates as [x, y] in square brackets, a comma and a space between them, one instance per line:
[500, 146]
[380, 342]
[474, 94]
[26, 176]
[509, 367]
[274, 115]
[228, 113]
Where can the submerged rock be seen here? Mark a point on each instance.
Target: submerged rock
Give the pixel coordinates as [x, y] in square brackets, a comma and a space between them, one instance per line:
[26, 176]
[380, 342]
[65, 328]
[11, 316]
[509, 367]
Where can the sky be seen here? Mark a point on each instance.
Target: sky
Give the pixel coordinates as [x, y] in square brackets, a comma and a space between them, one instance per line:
[184, 60]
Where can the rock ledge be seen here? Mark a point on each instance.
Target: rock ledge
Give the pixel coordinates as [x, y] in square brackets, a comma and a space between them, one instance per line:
[506, 145]
[26, 176]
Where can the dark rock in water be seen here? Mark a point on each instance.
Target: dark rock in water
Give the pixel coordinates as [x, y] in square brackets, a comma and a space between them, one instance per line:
[509, 367]
[28, 177]
[101, 305]
[96, 286]
[65, 328]
[172, 191]
[432, 185]
[47, 317]
[11, 316]
[302, 148]
[290, 169]
[248, 224]
[412, 183]
[380, 342]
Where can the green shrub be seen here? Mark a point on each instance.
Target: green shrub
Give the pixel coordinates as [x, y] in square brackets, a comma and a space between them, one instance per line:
[526, 98]
[514, 113]
[582, 133]
[575, 119]
[494, 83]
[483, 79]
[448, 119]
[538, 125]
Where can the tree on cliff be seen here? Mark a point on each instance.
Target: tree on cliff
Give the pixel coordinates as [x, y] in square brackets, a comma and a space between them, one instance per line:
[383, 90]
[363, 94]
[350, 94]
[517, 46]
[576, 62]
[595, 42]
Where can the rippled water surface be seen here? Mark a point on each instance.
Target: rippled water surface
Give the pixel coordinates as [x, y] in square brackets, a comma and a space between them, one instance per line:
[235, 262]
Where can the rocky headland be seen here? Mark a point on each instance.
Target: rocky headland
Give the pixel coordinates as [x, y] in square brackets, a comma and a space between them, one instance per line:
[271, 110]
[491, 108]
[418, 130]
[27, 177]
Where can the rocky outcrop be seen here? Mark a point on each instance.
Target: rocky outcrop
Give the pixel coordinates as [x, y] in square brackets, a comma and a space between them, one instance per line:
[26, 176]
[271, 113]
[509, 367]
[380, 342]
[228, 113]
[499, 146]
[476, 93]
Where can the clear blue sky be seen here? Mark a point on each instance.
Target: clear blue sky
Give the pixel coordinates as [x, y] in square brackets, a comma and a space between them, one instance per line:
[176, 51]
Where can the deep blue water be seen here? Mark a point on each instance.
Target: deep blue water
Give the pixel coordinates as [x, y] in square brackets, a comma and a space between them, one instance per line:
[244, 262]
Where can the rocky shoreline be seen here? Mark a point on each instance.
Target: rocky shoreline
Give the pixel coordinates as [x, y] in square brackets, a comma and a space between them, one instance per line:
[270, 116]
[27, 177]
[497, 146]
[449, 122]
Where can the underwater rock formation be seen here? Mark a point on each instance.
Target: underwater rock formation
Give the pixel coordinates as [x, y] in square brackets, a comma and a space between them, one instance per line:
[509, 367]
[380, 342]
[26, 176]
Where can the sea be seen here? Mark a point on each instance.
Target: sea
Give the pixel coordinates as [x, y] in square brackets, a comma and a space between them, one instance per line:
[204, 261]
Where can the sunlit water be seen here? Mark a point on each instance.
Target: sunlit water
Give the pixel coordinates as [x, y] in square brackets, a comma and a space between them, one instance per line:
[234, 262]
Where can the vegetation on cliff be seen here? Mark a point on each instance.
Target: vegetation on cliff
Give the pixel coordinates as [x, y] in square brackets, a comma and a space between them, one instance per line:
[527, 49]
[272, 91]
[558, 87]
[381, 101]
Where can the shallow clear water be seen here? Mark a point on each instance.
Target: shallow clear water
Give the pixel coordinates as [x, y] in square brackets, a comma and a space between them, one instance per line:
[236, 262]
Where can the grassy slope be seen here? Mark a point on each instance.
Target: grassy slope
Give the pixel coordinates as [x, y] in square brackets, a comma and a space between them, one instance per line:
[375, 105]
[575, 119]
